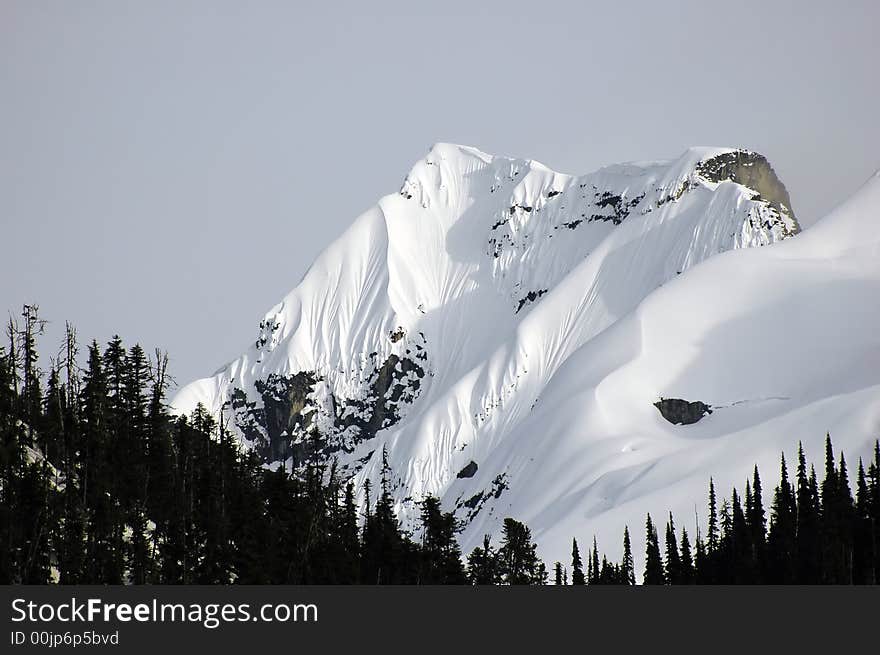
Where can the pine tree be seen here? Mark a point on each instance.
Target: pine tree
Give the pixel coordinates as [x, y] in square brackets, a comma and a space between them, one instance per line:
[348, 532]
[51, 434]
[104, 558]
[518, 558]
[863, 545]
[607, 573]
[35, 521]
[782, 539]
[713, 542]
[577, 566]
[757, 525]
[31, 398]
[541, 576]
[724, 560]
[873, 504]
[742, 565]
[594, 563]
[383, 543]
[808, 547]
[483, 566]
[673, 559]
[700, 562]
[627, 566]
[688, 573]
[440, 555]
[831, 563]
[653, 563]
[135, 405]
[845, 521]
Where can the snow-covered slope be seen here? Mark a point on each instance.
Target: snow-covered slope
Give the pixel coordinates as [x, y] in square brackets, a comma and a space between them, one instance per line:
[506, 330]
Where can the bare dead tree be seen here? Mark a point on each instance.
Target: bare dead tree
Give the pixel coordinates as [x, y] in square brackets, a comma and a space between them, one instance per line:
[71, 352]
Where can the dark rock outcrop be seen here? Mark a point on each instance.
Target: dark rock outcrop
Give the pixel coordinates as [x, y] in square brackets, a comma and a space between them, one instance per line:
[468, 471]
[682, 412]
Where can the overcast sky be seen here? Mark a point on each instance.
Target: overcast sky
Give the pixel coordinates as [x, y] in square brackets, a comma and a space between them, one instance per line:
[168, 170]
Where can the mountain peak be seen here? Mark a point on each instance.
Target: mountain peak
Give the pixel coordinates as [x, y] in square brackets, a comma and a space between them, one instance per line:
[445, 321]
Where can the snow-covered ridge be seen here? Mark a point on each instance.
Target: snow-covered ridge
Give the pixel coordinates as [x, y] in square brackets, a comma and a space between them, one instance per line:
[505, 330]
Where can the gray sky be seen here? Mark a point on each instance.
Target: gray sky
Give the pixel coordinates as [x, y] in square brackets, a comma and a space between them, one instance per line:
[168, 170]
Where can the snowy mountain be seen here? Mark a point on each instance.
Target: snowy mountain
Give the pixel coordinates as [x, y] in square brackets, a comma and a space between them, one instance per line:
[571, 351]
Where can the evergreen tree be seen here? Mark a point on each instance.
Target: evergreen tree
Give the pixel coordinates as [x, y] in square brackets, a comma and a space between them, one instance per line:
[594, 563]
[483, 565]
[31, 396]
[757, 525]
[35, 521]
[557, 574]
[873, 504]
[673, 559]
[383, 543]
[441, 557]
[808, 547]
[348, 534]
[782, 539]
[846, 514]
[517, 557]
[104, 554]
[724, 559]
[863, 543]
[688, 572]
[741, 563]
[577, 566]
[653, 563]
[713, 542]
[627, 566]
[701, 564]
[830, 527]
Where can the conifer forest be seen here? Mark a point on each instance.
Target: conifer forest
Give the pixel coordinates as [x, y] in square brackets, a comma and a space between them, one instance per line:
[101, 484]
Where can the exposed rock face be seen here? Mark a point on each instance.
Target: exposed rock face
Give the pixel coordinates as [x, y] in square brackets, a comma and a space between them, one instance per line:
[294, 406]
[286, 413]
[753, 171]
[475, 503]
[468, 471]
[682, 412]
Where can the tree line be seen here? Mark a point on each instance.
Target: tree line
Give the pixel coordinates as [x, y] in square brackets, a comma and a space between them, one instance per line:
[817, 533]
[101, 484]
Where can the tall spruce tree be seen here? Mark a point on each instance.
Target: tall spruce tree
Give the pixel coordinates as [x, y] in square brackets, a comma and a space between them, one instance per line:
[518, 556]
[557, 574]
[654, 574]
[577, 565]
[688, 572]
[782, 540]
[713, 538]
[483, 565]
[440, 554]
[863, 546]
[627, 566]
[808, 545]
[756, 521]
[673, 559]
[594, 563]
